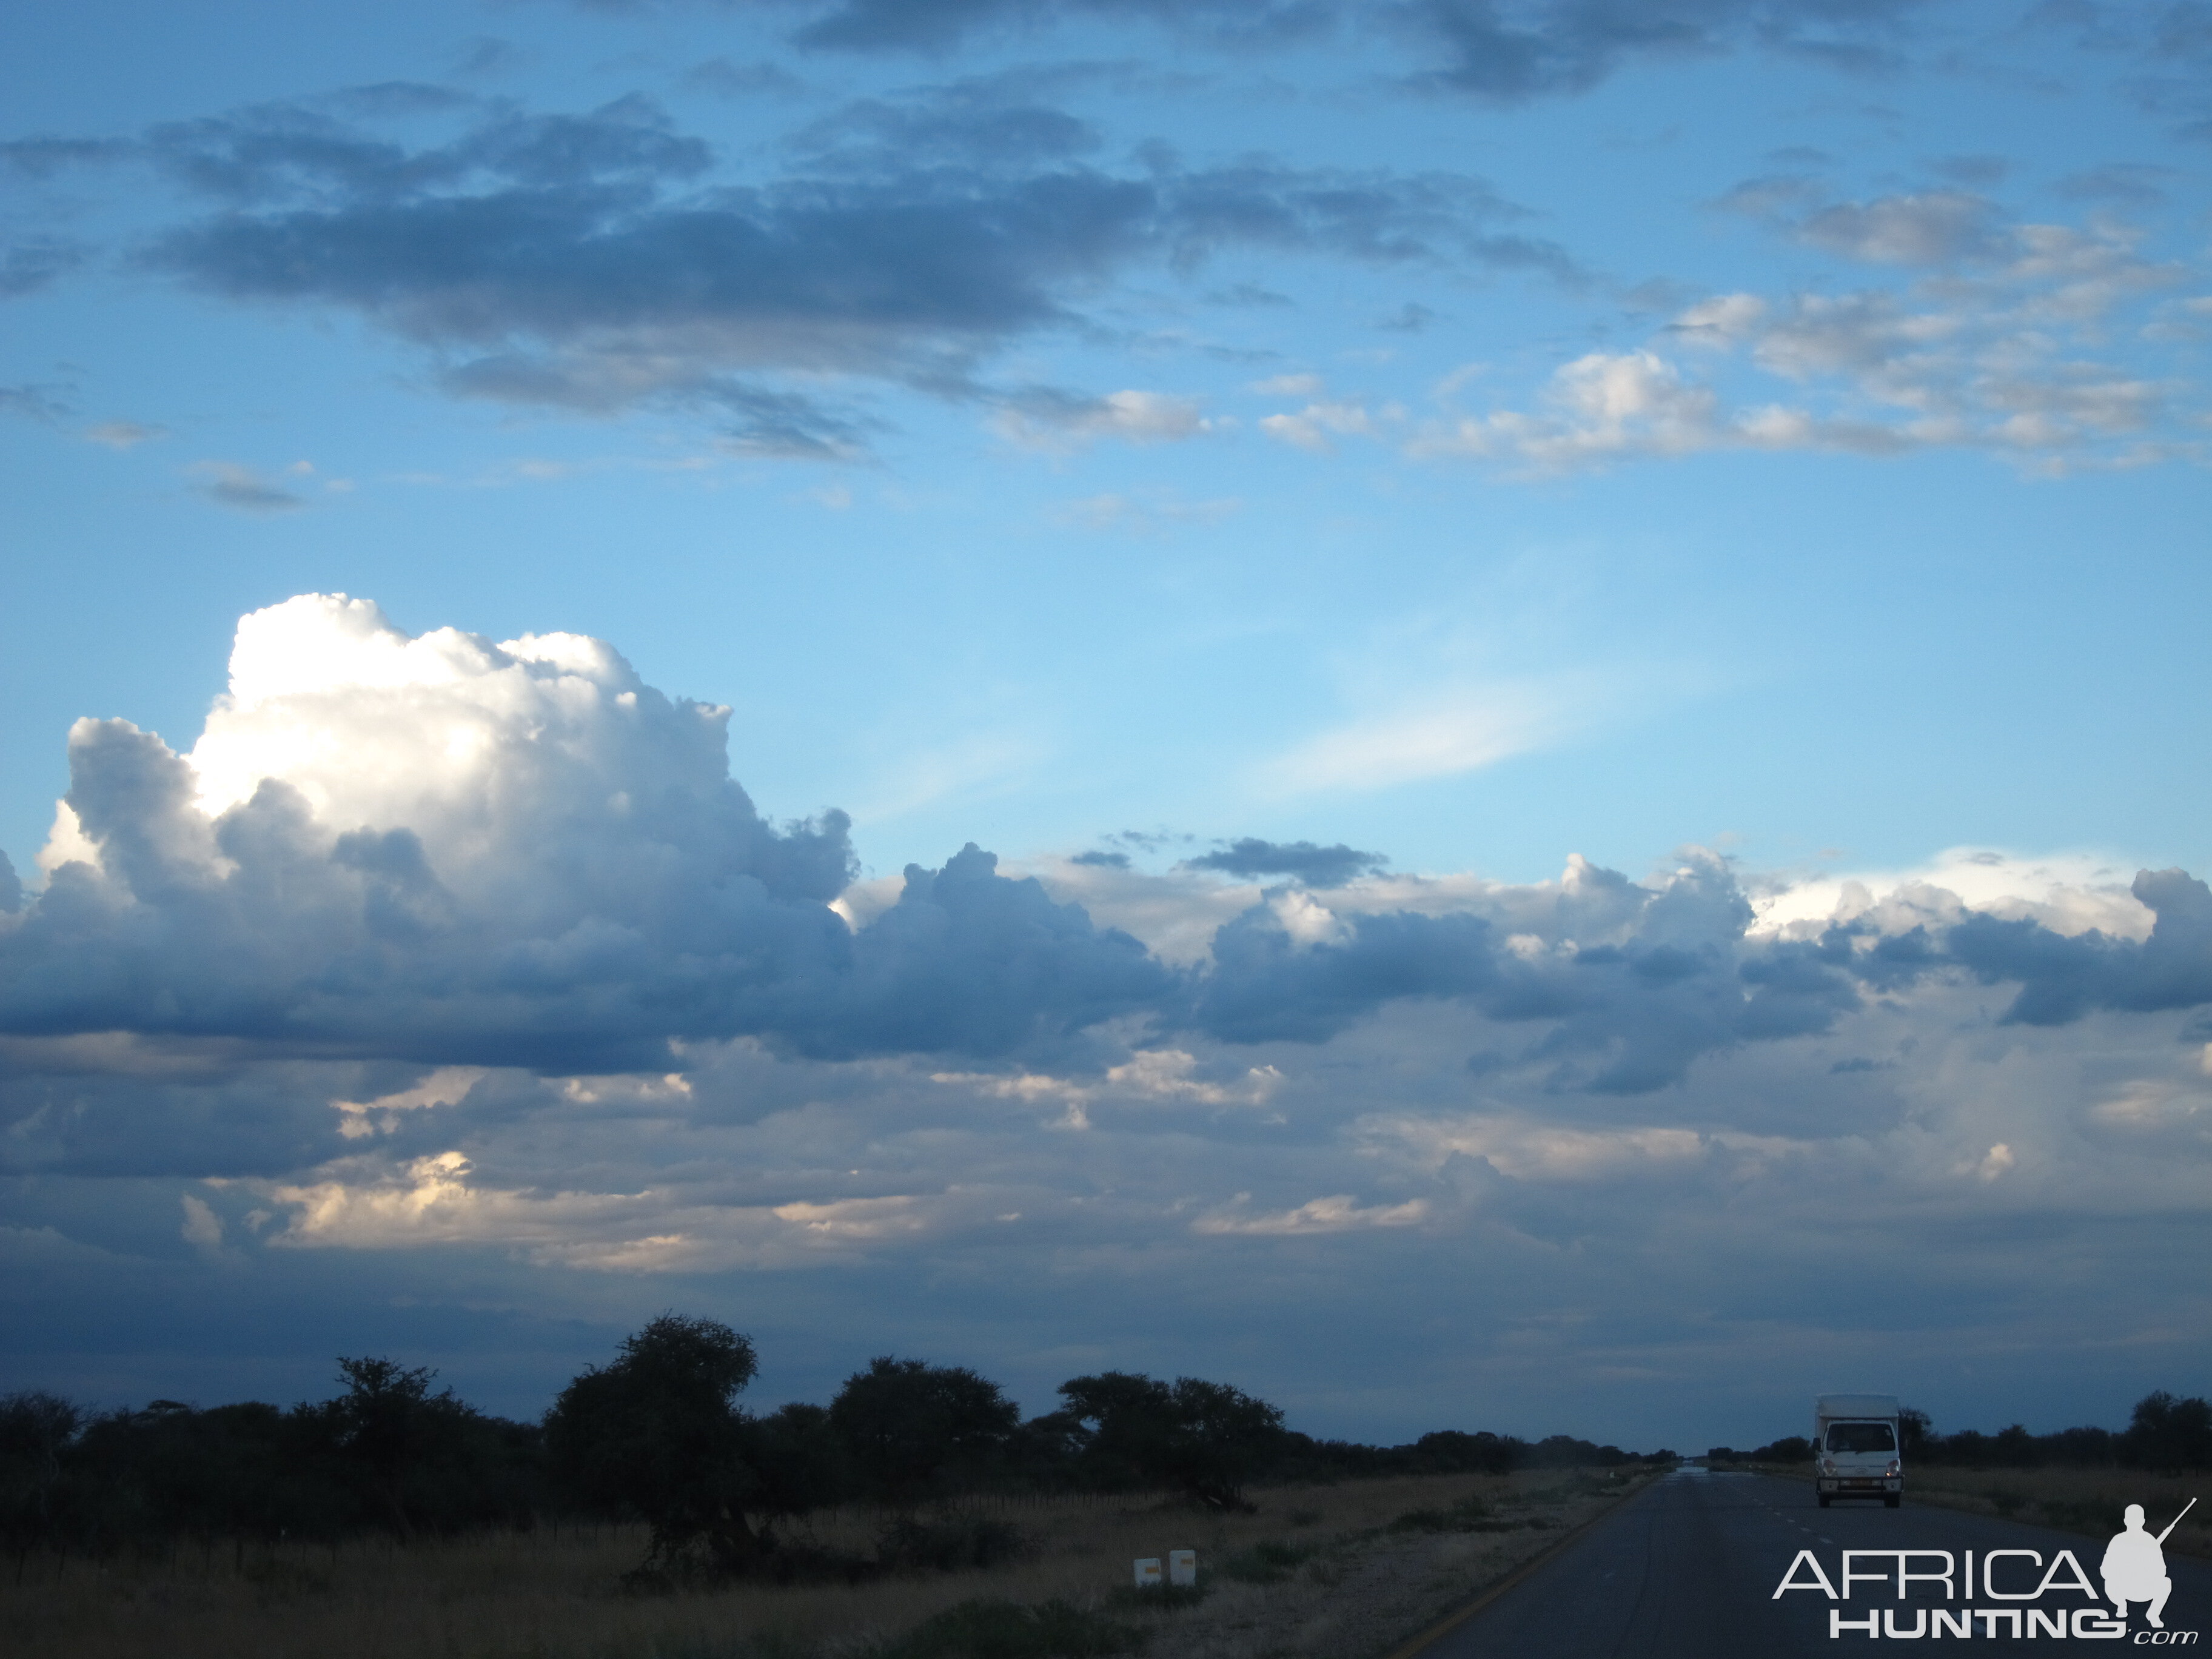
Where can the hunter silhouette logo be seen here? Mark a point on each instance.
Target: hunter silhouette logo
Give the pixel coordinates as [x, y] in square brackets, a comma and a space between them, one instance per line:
[2133, 1568]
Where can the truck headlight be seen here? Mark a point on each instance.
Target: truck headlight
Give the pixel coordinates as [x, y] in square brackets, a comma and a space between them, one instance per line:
[1891, 1469]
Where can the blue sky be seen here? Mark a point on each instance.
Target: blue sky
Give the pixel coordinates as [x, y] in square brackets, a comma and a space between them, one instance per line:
[1289, 482]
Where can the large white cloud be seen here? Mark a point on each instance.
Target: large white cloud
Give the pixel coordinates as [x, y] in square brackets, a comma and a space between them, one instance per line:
[452, 849]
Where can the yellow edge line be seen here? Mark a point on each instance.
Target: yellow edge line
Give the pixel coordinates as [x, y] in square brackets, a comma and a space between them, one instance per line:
[1452, 1621]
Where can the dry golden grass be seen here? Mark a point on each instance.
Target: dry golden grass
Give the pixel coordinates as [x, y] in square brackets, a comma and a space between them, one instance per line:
[2088, 1501]
[539, 1596]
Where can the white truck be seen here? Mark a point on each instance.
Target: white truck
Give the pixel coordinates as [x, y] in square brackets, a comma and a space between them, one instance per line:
[1855, 1450]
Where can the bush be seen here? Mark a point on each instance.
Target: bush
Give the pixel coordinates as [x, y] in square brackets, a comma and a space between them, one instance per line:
[1468, 1515]
[1268, 1562]
[951, 1546]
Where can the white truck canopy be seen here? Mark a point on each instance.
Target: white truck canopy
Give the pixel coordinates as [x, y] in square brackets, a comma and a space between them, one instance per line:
[1833, 1408]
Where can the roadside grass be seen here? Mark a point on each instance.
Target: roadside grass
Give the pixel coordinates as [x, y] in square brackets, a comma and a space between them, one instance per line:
[1062, 1566]
[2090, 1502]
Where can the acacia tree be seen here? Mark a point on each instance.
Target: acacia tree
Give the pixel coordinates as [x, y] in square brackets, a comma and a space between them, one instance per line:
[1204, 1439]
[2170, 1434]
[390, 1428]
[35, 1429]
[659, 1432]
[914, 1429]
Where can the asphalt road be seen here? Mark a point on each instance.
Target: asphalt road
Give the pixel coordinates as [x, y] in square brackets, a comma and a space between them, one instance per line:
[1687, 1568]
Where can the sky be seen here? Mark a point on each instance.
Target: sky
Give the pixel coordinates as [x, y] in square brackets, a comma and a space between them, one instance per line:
[1482, 713]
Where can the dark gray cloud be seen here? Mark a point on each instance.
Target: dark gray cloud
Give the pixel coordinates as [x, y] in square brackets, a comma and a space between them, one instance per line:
[932, 25]
[43, 158]
[243, 490]
[383, 98]
[2062, 978]
[1302, 860]
[969, 961]
[2130, 185]
[578, 262]
[300, 152]
[1926, 228]
[29, 266]
[43, 403]
[488, 54]
[1506, 52]
[1630, 1007]
[996, 124]
[1628, 1011]
[724, 79]
[114, 1108]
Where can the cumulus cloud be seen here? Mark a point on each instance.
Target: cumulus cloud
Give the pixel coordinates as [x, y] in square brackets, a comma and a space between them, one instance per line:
[2012, 356]
[1316, 428]
[470, 854]
[517, 853]
[1926, 228]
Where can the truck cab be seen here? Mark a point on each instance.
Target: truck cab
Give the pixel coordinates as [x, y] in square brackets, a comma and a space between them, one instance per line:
[1855, 1450]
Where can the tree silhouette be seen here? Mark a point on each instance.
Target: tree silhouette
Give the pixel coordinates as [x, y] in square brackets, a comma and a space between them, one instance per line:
[913, 1430]
[389, 1428]
[1205, 1439]
[35, 1429]
[2170, 1434]
[659, 1432]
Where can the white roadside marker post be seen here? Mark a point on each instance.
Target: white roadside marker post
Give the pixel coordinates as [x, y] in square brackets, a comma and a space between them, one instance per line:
[1148, 1572]
[1183, 1567]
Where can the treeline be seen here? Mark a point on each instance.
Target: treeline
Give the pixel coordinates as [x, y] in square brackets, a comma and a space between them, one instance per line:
[657, 1435]
[2165, 1434]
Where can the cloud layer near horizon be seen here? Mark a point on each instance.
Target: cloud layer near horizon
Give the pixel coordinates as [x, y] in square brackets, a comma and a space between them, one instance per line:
[458, 852]
[436, 943]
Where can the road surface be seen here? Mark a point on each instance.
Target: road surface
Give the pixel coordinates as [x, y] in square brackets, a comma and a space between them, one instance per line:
[1687, 1568]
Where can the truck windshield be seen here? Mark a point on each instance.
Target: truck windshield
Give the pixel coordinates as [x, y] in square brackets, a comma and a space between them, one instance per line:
[1862, 1437]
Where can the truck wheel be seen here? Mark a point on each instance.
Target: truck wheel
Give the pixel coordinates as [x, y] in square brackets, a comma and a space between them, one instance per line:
[1893, 1500]
[1823, 1499]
